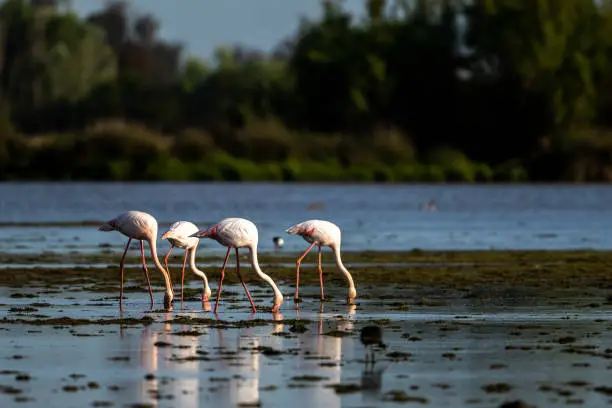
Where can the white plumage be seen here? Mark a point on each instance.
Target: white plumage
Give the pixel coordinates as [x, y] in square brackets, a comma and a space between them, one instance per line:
[179, 235]
[142, 227]
[321, 233]
[239, 233]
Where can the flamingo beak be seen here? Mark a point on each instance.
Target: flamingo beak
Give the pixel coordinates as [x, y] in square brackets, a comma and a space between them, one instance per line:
[165, 235]
[200, 234]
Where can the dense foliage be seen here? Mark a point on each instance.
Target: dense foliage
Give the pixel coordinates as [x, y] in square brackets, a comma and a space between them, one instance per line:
[413, 90]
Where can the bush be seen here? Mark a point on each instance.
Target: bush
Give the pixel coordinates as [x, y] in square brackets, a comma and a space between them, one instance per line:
[116, 141]
[116, 150]
[393, 147]
[266, 140]
[515, 173]
[193, 145]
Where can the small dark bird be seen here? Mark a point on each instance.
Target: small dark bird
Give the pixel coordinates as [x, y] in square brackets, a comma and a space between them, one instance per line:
[278, 242]
[371, 336]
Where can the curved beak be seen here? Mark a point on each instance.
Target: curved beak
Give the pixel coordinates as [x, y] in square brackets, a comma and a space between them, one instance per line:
[165, 235]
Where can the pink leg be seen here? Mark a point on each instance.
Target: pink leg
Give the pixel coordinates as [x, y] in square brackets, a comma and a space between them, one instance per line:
[242, 281]
[221, 280]
[183, 275]
[321, 275]
[297, 271]
[121, 266]
[166, 260]
[144, 267]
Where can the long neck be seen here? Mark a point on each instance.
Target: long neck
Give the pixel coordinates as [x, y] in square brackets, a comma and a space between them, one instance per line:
[349, 278]
[158, 265]
[255, 264]
[193, 266]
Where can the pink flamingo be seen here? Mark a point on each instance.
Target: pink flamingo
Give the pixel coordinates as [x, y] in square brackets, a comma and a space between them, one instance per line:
[143, 227]
[239, 233]
[321, 233]
[179, 236]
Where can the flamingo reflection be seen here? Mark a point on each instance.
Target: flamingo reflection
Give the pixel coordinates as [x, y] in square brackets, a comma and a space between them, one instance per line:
[245, 365]
[168, 355]
[325, 349]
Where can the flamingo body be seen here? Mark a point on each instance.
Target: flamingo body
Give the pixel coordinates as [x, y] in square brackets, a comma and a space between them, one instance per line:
[321, 233]
[179, 235]
[239, 233]
[236, 232]
[142, 227]
[133, 224]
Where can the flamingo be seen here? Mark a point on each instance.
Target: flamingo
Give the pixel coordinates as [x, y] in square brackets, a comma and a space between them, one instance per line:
[321, 233]
[142, 227]
[239, 233]
[179, 236]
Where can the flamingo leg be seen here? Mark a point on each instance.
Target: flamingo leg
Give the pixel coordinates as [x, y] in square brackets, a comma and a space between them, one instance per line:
[321, 275]
[122, 267]
[297, 269]
[222, 276]
[183, 274]
[242, 281]
[166, 259]
[144, 267]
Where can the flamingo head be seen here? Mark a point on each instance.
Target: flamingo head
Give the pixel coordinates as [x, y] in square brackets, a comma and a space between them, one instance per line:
[168, 298]
[206, 233]
[108, 226]
[278, 300]
[207, 293]
[352, 293]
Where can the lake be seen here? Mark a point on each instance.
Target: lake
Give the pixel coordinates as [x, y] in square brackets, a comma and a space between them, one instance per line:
[473, 341]
[375, 217]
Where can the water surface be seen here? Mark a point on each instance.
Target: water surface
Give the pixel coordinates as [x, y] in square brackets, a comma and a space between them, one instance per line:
[440, 356]
[377, 217]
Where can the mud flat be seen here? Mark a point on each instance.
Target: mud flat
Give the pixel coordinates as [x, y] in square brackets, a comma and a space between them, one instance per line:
[476, 329]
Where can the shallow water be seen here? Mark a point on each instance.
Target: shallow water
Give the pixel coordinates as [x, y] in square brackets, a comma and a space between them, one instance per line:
[374, 217]
[455, 349]
[545, 348]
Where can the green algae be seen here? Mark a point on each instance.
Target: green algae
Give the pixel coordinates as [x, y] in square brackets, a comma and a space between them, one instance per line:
[455, 269]
[69, 321]
[269, 259]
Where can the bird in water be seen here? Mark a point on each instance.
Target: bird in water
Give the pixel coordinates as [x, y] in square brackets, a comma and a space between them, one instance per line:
[278, 243]
[179, 236]
[239, 233]
[321, 233]
[142, 227]
[371, 337]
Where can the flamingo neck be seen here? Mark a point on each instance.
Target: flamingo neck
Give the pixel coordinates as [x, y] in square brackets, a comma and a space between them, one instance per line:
[347, 274]
[158, 265]
[195, 269]
[278, 297]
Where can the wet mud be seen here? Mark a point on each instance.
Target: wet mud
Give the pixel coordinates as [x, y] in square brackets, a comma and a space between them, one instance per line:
[511, 329]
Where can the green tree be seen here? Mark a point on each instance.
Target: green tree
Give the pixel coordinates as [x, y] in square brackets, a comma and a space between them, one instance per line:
[77, 59]
[554, 51]
[194, 72]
